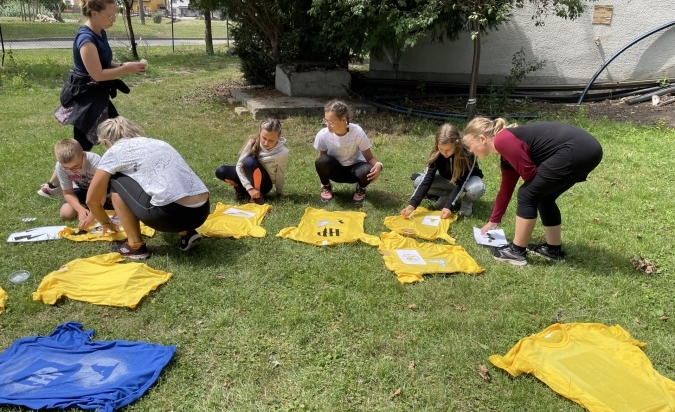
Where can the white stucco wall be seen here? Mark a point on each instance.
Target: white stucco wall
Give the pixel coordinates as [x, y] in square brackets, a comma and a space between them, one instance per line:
[568, 47]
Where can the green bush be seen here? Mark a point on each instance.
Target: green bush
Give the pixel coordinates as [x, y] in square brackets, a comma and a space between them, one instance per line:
[157, 17]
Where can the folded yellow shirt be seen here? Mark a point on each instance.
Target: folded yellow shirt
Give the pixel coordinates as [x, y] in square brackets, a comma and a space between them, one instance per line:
[235, 221]
[101, 280]
[423, 224]
[322, 228]
[3, 299]
[410, 260]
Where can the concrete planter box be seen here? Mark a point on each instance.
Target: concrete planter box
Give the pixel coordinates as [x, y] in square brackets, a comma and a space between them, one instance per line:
[311, 80]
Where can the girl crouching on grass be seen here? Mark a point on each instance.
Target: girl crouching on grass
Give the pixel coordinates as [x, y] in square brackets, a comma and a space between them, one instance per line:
[451, 171]
[261, 165]
[344, 154]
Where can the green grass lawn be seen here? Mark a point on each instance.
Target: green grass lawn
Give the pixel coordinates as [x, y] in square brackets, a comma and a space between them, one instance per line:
[14, 29]
[343, 330]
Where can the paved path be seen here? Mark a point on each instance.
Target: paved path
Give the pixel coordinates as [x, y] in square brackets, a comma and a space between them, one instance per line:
[67, 44]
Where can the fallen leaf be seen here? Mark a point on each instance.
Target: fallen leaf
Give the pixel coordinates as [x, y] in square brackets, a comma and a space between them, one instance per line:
[460, 307]
[397, 393]
[220, 277]
[651, 208]
[274, 362]
[597, 220]
[556, 317]
[664, 318]
[642, 264]
[484, 373]
[412, 306]
[296, 256]
[591, 243]
[639, 236]
[411, 365]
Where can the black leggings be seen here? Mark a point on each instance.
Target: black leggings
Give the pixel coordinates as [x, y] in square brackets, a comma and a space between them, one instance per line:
[250, 165]
[569, 165]
[329, 168]
[168, 218]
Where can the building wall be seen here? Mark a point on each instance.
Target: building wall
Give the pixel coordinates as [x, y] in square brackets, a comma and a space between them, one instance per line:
[573, 50]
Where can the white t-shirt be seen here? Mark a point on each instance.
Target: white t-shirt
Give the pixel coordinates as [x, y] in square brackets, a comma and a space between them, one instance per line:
[70, 180]
[157, 167]
[346, 149]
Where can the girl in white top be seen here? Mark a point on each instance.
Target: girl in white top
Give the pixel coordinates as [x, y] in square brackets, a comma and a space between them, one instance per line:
[261, 165]
[344, 154]
[149, 182]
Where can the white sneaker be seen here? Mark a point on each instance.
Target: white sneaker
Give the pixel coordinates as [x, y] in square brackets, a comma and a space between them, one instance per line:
[50, 193]
[466, 208]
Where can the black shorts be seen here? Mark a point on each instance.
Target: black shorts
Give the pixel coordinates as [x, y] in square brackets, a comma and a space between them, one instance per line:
[168, 218]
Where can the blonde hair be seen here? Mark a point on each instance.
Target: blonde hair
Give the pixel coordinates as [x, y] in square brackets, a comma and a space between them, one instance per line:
[87, 6]
[339, 108]
[271, 125]
[118, 128]
[484, 126]
[462, 159]
[67, 150]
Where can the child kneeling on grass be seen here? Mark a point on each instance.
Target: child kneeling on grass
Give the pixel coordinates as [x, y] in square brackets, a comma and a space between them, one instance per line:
[75, 168]
[261, 165]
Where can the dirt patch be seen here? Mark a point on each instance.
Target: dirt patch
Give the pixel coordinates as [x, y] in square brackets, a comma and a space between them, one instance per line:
[618, 110]
[615, 110]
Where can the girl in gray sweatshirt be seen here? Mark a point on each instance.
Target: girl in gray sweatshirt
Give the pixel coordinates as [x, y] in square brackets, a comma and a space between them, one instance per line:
[261, 165]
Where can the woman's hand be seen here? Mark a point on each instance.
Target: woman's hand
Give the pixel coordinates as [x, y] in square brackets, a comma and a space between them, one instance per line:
[407, 212]
[109, 228]
[254, 193]
[488, 226]
[135, 67]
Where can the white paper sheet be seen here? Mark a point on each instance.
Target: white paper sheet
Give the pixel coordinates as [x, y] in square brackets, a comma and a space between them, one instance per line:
[494, 237]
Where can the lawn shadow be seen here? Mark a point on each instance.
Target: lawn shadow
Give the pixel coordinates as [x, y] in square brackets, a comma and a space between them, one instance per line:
[224, 251]
[598, 260]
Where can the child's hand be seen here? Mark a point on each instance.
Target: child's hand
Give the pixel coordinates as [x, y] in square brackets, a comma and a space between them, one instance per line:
[446, 213]
[374, 173]
[85, 219]
[254, 193]
[407, 212]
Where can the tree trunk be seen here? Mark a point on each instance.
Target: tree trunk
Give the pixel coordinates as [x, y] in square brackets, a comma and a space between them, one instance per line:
[141, 12]
[208, 34]
[473, 82]
[128, 4]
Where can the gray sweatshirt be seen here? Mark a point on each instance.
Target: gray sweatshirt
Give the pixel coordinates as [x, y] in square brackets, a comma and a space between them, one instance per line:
[274, 161]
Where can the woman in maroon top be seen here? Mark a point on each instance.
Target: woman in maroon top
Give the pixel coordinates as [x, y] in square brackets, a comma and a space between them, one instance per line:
[551, 158]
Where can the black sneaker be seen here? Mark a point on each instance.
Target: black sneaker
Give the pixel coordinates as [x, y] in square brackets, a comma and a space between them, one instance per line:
[128, 252]
[189, 240]
[507, 254]
[543, 250]
[414, 176]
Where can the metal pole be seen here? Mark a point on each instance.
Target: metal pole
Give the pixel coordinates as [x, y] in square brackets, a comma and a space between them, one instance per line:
[173, 47]
[227, 28]
[2, 41]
